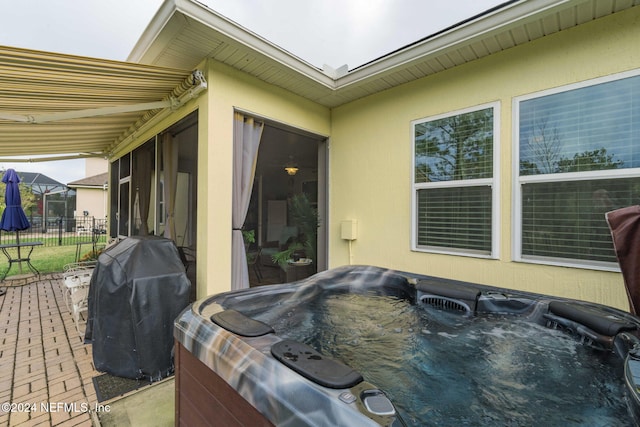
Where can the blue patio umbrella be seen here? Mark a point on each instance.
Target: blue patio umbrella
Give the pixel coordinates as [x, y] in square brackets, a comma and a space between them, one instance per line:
[13, 217]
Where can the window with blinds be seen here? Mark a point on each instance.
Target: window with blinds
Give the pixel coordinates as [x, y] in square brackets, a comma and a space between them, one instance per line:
[454, 194]
[578, 158]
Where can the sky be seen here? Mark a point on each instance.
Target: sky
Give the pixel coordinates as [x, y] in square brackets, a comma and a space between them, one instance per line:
[332, 32]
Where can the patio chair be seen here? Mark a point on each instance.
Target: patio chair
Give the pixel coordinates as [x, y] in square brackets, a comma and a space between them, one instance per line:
[76, 278]
[92, 242]
[253, 260]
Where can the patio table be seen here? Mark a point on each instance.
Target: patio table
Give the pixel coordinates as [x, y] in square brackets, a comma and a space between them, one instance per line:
[294, 271]
[21, 258]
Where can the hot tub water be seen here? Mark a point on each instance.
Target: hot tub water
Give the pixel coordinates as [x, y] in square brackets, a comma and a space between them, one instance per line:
[362, 345]
[443, 368]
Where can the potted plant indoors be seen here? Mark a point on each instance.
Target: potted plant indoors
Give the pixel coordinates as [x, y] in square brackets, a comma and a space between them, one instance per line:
[305, 217]
[249, 237]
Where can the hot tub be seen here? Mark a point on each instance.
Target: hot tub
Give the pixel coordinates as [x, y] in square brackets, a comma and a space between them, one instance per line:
[359, 346]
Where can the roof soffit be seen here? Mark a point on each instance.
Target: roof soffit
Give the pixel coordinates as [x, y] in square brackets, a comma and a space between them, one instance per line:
[188, 31]
[458, 40]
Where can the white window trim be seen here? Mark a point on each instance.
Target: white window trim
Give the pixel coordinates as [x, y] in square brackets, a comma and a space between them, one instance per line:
[493, 182]
[516, 244]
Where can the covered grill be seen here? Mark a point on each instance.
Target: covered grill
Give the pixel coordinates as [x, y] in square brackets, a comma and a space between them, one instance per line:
[138, 288]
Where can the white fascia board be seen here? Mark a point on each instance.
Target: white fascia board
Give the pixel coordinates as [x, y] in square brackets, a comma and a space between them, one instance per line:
[227, 28]
[457, 37]
[150, 33]
[498, 20]
[230, 29]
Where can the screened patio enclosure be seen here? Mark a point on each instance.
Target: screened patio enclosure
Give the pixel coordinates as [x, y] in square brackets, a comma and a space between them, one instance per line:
[153, 189]
[285, 163]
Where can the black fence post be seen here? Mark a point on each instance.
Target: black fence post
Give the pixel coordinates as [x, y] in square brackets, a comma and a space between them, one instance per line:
[60, 231]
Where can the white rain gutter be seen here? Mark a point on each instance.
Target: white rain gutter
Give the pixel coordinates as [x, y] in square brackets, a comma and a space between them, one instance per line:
[205, 15]
[457, 36]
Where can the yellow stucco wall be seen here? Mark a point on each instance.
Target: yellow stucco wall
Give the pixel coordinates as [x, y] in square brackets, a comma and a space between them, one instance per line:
[227, 91]
[230, 90]
[92, 200]
[371, 163]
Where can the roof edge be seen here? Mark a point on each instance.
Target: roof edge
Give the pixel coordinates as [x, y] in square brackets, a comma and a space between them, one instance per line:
[339, 85]
[493, 20]
[228, 28]
[151, 32]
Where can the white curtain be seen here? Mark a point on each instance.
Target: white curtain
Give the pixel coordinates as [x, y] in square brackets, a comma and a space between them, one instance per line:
[142, 167]
[170, 169]
[246, 140]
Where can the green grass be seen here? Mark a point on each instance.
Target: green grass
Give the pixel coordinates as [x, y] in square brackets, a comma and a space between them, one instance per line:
[49, 258]
[55, 241]
[52, 259]
[46, 259]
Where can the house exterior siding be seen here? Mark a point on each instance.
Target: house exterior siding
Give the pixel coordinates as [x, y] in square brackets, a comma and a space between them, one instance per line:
[372, 166]
[229, 90]
[370, 159]
[93, 201]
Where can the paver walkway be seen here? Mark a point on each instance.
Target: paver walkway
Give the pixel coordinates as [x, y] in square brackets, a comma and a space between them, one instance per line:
[45, 368]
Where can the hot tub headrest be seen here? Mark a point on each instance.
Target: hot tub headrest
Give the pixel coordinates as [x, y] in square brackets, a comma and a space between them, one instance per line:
[450, 289]
[597, 320]
[239, 324]
[314, 366]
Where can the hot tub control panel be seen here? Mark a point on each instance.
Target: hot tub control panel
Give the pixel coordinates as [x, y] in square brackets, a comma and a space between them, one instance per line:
[373, 402]
[378, 403]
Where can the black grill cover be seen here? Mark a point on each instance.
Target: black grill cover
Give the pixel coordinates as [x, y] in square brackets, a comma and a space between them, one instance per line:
[138, 288]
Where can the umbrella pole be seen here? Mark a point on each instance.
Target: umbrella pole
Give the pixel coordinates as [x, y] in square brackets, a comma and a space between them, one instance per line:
[18, 244]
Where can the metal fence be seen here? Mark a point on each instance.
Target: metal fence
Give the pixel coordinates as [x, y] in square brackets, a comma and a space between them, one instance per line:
[61, 231]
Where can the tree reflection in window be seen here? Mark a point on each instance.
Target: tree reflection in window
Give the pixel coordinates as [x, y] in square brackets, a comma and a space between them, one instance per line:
[454, 182]
[458, 147]
[580, 130]
[576, 149]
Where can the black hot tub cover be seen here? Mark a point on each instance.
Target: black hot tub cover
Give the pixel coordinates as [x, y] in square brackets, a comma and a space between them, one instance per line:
[138, 288]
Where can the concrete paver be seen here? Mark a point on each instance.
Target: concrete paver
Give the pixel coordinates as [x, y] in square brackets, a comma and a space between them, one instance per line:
[45, 368]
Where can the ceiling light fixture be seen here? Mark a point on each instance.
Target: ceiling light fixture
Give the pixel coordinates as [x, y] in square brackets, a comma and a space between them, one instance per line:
[291, 170]
[290, 167]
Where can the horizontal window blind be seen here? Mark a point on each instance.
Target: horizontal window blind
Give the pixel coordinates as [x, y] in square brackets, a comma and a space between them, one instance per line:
[564, 138]
[456, 218]
[580, 130]
[454, 200]
[567, 219]
[459, 147]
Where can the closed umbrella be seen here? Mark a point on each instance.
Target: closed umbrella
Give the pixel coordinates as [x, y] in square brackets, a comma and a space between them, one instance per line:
[13, 217]
[625, 231]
